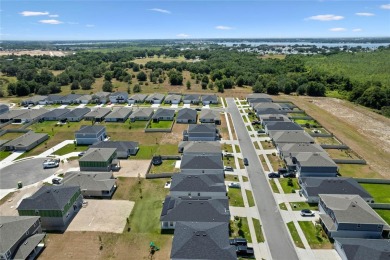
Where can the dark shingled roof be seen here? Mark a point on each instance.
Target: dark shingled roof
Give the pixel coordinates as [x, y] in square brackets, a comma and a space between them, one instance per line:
[203, 128]
[197, 161]
[275, 126]
[194, 240]
[364, 249]
[77, 112]
[186, 113]
[49, 198]
[90, 129]
[58, 112]
[198, 183]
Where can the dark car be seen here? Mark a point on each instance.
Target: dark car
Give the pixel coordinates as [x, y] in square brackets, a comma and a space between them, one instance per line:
[289, 175]
[282, 170]
[56, 181]
[157, 160]
[246, 162]
[244, 251]
[260, 131]
[239, 241]
[228, 168]
[255, 122]
[273, 175]
[82, 153]
[198, 109]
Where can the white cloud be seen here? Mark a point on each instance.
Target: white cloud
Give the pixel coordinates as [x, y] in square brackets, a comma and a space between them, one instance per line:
[90, 25]
[325, 17]
[31, 13]
[357, 30]
[387, 6]
[338, 29]
[183, 35]
[160, 10]
[222, 27]
[365, 14]
[50, 21]
[53, 15]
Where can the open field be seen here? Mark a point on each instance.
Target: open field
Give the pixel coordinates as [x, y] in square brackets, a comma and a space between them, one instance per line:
[357, 171]
[34, 53]
[10, 136]
[342, 154]
[315, 236]
[161, 124]
[275, 161]
[230, 177]
[70, 148]
[295, 236]
[380, 192]
[161, 59]
[365, 132]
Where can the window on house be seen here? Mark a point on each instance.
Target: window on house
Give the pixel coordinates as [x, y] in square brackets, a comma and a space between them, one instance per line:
[358, 225]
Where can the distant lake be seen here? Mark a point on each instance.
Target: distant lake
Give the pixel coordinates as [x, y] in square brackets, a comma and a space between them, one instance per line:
[317, 44]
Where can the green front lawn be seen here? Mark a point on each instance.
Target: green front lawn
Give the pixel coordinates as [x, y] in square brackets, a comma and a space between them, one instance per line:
[235, 197]
[286, 188]
[380, 192]
[4, 154]
[283, 206]
[136, 125]
[256, 144]
[230, 177]
[315, 235]
[295, 235]
[161, 124]
[385, 214]
[70, 148]
[258, 230]
[249, 195]
[303, 205]
[312, 123]
[239, 228]
[238, 150]
[167, 166]
[229, 161]
[227, 148]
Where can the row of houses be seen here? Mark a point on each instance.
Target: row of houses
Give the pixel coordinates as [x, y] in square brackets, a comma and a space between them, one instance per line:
[344, 206]
[121, 98]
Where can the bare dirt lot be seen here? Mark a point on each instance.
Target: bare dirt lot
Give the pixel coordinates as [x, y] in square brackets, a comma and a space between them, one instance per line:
[102, 216]
[131, 168]
[33, 53]
[365, 132]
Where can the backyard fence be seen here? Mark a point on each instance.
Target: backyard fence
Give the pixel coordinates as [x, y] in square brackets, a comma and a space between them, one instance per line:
[346, 161]
[158, 175]
[377, 181]
[335, 146]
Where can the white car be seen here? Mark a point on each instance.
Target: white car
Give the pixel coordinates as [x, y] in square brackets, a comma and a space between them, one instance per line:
[234, 185]
[51, 163]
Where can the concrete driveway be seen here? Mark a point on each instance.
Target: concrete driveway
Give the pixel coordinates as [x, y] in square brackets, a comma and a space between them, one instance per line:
[28, 172]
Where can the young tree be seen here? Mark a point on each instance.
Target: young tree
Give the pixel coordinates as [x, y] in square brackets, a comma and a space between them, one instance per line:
[108, 76]
[86, 84]
[137, 88]
[188, 84]
[75, 85]
[107, 86]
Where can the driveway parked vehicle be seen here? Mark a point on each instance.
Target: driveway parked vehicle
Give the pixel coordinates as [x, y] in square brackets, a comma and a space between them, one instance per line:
[307, 213]
[56, 181]
[234, 185]
[260, 131]
[228, 155]
[282, 170]
[51, 163]
[244, 251]
[289, 175]
[238, 241]
[228, 168]
[273, 175]
[82, 153]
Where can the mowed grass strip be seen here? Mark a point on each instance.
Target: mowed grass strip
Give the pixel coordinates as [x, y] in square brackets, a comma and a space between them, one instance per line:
[70, 148]
[4, 154]
[259, 231]
[273, 186]
[294, 234]
[315, 235]
[249, 195]
[385, 214]
[358, 171]
[380, 192]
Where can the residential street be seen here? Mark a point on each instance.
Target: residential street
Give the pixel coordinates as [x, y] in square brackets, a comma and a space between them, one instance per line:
[275, 231]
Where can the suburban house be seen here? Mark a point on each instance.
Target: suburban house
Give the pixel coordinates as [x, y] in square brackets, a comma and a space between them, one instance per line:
[311, 187]
[210, 116]
[312, 165]
[258, 98]
[201, 164]
[200, 147]
[76, 115]
[118, 97]
[163, 114]
[70, 99]
[193, 240]
[90, 134]
[100, 97]
[292, 149]
[191, 99]
[281, 126]
[11, 115]
[56, 205]
[123, 148]
[269, 111]
[362, 249]
[30, 115]
[209, 99]
[155, 98]
[92, 184]
[283, 137]
[51, 99]
[206, 185]
[55, 114]
[265, 105]
[172, 99]
[119, 114]
[203, 132]
[97, 114]
[199, 209]
[3, 108]
[99, 159]
[26, 142]
[136, 98]
[273, 118]
[34, 100]
[349, 216]
[20, 237]
[84, 99]
[187, 116]
[142, 114]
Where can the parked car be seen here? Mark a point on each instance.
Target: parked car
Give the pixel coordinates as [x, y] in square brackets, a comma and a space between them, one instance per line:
[56, 181]
[238, 241]
[255, 122]
[157, 160]
[260, 131]
[51, 163]
[273, 175]
[82, 153]
[234, 185]
[228, 155]
[307, 213]
[282, 170]
[244, 251]
[289, 175]
[198, 109]
[246, 162]
[228, 168]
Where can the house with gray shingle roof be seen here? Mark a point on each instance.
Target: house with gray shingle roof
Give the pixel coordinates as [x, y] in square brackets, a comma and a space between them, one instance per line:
[155, 98]
[200, 147]
[97, 114]
[285, 137]
[99, 159]
[12, 114]
[194, 240]
[56, 205]
[3, 108]
[123, 148]
[349, 216]
[172, 99]
[55, 114]
[187, 116]
[209, 99]
[258, 98]
[118, 97]
[292, 149]
[100, 97]
[199, 209]
[210, 116]
[76, 115]
[119, 114]
[141, 114]
[84, 99]
[201, 164]
[51, 99]
[136, 98]
[31, 115]
[273, 118]
[362, 249]
[90, 134]
[312, 165]
[191, 99]
[92, 184]
[205, 185]
[34, 100]
[203, 132]
[281, 126]
[311, 187]
[163, 114]
[20, 237]
[26, 142]
[70, 99]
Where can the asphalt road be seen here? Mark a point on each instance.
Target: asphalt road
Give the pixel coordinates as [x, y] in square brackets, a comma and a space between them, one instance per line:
[275, 230]
[28, 172]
